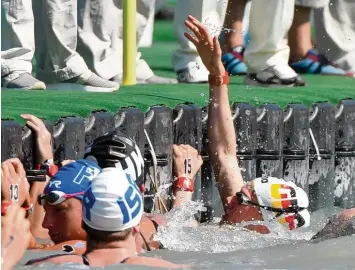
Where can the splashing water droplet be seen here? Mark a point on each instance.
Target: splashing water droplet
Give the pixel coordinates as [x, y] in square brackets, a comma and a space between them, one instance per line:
[179, 235]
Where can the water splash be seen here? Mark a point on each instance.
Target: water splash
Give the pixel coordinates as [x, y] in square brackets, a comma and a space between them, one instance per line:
[184, 214]
[214, 29]
[344, 182]
[297, 172]
[181, 235]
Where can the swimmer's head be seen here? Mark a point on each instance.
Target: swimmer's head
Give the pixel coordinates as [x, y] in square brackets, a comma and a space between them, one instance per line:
[112, 204]
[62, 198]
[116, 149]
[282, 201]
[269, 198]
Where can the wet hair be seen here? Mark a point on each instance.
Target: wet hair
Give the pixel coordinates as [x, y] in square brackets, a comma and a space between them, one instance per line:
[105, 236]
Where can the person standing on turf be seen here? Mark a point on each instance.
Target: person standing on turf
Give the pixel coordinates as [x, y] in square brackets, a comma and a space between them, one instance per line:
[18, 46]
[303, 58]
[51, 27]
[59, 63]
[100, 39]
[267, 54]
[335, 24]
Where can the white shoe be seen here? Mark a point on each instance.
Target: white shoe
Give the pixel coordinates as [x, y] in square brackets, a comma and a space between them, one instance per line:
[23, 81]
[87, 81]
[194, 73]
[274, 77]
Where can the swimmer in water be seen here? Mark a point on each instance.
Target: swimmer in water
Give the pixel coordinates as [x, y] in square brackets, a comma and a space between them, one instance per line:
[338, 225]
[71, 206]
[62, 202]
[265, 198]
[62, 196]
[112, 211]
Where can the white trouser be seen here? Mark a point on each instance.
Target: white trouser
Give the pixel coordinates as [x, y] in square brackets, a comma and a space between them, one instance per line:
[17, 38]
[211, 12]
[269, 24]
[100, 31]
[335, 32]
[56, 40]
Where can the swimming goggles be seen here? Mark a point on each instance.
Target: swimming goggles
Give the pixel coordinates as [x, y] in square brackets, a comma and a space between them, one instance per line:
[56, 197]
[243, 199]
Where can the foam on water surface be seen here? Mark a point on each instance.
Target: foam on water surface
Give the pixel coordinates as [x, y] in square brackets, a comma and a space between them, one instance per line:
[181, 236]
[211, 246]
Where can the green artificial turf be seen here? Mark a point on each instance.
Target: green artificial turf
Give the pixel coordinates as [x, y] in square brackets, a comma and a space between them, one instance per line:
[52, 105]
[163, 31]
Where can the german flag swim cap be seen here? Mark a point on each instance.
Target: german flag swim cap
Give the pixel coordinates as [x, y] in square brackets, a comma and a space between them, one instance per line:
[290, 201]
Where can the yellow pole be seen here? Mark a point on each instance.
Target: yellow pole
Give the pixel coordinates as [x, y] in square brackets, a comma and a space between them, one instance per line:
[129, 41]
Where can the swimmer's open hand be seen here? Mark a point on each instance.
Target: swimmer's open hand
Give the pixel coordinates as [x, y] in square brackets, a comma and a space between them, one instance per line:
[207, 46]
[14, 184]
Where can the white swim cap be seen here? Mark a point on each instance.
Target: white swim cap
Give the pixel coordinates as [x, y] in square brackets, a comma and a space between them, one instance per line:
[277, 193]
[113, 202]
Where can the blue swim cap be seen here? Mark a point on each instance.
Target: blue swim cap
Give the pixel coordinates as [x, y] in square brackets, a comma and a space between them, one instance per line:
[74, 177]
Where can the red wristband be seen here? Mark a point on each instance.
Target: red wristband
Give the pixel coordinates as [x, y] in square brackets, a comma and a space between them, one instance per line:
[185, 184]
[4, 207]
[217, 80]
[29, 208]
[49, 166]
[142, 188]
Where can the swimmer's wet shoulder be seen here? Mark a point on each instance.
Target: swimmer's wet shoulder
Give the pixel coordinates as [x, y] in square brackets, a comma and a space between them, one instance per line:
[69, 247]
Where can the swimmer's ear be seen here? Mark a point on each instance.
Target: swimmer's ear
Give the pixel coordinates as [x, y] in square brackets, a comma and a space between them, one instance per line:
[246, 192]
[136, 229]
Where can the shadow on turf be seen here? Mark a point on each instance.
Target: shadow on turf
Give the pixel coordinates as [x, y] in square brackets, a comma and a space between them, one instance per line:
[167, 69]
[165, 97]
